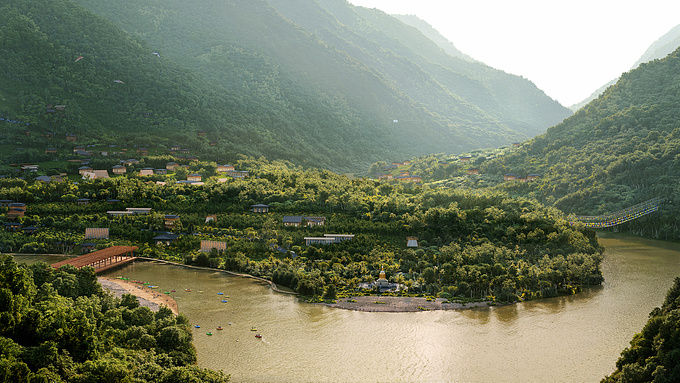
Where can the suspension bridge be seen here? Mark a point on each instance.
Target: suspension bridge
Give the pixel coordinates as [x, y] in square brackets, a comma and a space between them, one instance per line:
[618, 217]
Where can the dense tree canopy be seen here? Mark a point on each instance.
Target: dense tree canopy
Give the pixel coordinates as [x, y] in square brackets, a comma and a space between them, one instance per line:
[59, 326]
[473, 244]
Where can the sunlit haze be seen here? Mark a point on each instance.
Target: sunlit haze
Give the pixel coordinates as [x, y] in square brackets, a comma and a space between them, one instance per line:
[567, 48]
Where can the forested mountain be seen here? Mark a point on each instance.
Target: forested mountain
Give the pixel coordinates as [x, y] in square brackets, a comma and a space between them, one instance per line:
[318, 82]
[660, 49]
[620, 149]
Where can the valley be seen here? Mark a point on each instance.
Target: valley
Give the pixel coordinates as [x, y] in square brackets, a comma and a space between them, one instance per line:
[349, 157]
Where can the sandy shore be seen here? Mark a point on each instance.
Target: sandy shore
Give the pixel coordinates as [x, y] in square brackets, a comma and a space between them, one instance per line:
[146, 296]
[399, 304]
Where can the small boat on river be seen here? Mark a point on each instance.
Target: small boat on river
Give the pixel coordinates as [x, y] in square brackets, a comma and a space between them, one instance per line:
[197, 326]
[253, 329]
[258, 336]
[220, 328]
[187, 290]
[208, 333]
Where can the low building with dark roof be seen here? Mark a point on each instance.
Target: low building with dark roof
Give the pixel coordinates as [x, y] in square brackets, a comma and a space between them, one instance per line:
[165, 239]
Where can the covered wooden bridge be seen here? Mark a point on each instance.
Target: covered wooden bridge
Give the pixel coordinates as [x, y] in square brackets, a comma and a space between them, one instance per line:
[102, 259]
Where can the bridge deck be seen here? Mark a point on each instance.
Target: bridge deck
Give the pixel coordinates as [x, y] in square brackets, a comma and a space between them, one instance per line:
[619, 217]
[102, 259]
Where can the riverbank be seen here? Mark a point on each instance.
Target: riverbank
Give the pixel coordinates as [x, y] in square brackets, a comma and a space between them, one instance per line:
[373, 303]
[145, 296]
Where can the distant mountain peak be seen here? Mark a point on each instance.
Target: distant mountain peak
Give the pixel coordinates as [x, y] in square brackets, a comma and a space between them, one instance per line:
[430, 32]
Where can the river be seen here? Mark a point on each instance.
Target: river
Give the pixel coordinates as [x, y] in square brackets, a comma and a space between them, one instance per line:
[566, 339]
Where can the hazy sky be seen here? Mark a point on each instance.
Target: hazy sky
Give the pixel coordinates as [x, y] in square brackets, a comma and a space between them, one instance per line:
[567, 48]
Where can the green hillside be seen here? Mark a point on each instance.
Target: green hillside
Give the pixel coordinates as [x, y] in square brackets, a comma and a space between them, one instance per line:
[317, 83]
[621, 149]
[345, 84]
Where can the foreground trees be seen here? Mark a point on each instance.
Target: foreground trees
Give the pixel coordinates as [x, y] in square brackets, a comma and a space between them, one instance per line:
[59, 326]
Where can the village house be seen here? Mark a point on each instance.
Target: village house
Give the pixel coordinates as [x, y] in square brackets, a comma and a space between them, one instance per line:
[161, 171]
[119, 169]
[411, 241]
[211, 218]
[212, 143]
[328, 239]
[516, 144]
[465, 158]
[51, 151]
[84, 169]
[473, 171]
[237, 173]
[119, 213]
[315, 221]
[11, 226]
[201, 133]
[16, 210]
[49, 135]
[171, 166]
[29, 167]
[146, 172]
[171, 220]
[129, 162]
[139, 210]
[412, 178]
[207, 246]
[533, 177]
[86, 153]
[96, 174]
[187, 182]
[224, 168]
[83, 201]
[30, 230]
[509, 177]
[43, 179]
[142, 151]
[165, 239]
[259, 208]
[385, 177]
[194, 177]
[292, 220]
[71, 137]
